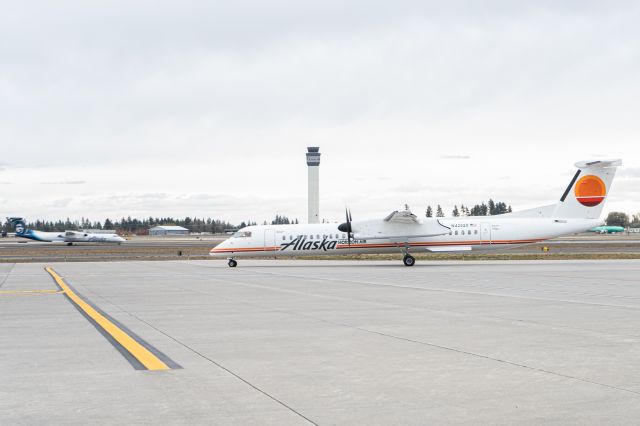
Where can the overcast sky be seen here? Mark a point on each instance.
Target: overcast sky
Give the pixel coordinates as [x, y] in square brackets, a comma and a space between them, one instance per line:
[206, 108]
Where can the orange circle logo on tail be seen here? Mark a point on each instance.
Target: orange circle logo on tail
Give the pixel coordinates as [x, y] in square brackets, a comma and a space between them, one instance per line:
[590, 190]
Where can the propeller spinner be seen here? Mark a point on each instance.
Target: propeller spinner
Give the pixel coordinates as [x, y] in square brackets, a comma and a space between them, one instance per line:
[346, 227]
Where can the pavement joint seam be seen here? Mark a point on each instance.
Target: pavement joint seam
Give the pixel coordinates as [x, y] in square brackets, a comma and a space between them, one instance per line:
[217, 364]
[427, 308]
[460, 351]
[6, 277]
[516, 364]
[444, 290]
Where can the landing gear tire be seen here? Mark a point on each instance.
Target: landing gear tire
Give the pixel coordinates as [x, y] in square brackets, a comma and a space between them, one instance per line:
[69, 244]
[409, 260]
[232, 263]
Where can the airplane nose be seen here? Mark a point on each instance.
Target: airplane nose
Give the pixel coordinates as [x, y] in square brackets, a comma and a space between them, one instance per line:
[218, 250]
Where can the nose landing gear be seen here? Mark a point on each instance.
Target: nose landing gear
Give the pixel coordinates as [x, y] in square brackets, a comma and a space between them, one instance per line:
[409, 260]
[232, 263]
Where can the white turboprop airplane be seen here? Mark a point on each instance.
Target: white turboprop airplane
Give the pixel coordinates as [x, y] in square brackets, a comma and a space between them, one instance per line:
[578, 210]
[68, 237]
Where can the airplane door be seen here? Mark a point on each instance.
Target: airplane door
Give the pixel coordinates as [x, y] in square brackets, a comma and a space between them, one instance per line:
[485, 233]
[270, 240]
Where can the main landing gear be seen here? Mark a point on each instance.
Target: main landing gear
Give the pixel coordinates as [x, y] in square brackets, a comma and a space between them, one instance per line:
[232, 263]
[409, 260]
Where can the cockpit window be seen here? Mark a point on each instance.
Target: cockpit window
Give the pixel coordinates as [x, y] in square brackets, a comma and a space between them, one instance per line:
[242, 234]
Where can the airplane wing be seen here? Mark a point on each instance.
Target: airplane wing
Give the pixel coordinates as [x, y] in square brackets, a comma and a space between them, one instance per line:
[400, 226]
[72, 236]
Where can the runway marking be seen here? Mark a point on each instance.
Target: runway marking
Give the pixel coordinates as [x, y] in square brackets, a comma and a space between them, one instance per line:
[27, 292]
[125, 341]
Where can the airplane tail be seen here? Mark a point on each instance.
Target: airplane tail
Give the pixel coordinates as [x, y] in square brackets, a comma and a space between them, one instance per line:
[587, 192]
[18, 225]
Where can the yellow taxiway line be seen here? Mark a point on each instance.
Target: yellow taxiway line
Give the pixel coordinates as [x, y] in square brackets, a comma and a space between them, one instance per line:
[29, 291]
[142, 354]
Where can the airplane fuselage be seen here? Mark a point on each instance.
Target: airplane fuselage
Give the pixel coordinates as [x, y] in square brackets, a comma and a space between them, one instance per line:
[70, 237]
[464, 234]
[578, 210]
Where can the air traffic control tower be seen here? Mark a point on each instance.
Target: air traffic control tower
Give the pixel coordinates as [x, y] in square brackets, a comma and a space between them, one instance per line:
[313, 163]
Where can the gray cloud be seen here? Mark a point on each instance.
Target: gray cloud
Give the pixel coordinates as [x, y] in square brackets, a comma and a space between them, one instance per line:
[65, 182]
[629, 172]
[62, 203]
[456, 157]
[221, 98]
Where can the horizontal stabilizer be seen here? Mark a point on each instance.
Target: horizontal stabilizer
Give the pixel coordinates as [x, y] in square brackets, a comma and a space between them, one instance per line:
[598, 163]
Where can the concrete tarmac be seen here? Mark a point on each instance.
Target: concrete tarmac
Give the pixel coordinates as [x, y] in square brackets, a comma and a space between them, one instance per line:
[326, 342]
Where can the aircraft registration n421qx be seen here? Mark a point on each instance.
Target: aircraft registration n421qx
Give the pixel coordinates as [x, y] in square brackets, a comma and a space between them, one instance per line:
[578, 209]
[68, 237]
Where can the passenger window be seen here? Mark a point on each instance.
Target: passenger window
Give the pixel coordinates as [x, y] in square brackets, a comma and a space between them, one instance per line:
[317, 237]
[475, 232]
[311, 237]
[284, 238]
[456, 232]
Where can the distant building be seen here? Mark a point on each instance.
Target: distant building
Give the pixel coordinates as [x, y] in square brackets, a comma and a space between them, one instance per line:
[168, 230]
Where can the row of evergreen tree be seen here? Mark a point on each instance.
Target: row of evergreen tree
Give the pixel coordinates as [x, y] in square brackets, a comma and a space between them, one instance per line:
[132, 225]
[141, 226]
[282, 220]
[491, 208]
[623, 219]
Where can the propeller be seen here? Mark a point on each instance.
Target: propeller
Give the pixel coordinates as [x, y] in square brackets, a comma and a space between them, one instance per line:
[346, 227]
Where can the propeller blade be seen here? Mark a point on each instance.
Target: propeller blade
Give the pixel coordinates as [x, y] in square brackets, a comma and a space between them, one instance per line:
[349, 219]
[346, 227]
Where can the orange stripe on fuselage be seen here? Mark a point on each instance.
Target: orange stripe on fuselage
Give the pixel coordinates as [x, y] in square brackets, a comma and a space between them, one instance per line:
[383, 245]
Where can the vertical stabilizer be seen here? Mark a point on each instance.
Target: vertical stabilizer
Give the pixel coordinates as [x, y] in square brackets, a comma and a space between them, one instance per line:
[587, 192]
[18, 225]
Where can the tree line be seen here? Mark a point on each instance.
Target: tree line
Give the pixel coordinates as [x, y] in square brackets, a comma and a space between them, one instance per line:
[130, 225]
[490, 208]
[623, 219]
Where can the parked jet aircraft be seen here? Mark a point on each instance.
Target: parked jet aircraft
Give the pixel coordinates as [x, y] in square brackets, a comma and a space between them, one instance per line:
[607, 229]
[68, 237]
[578, 210]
